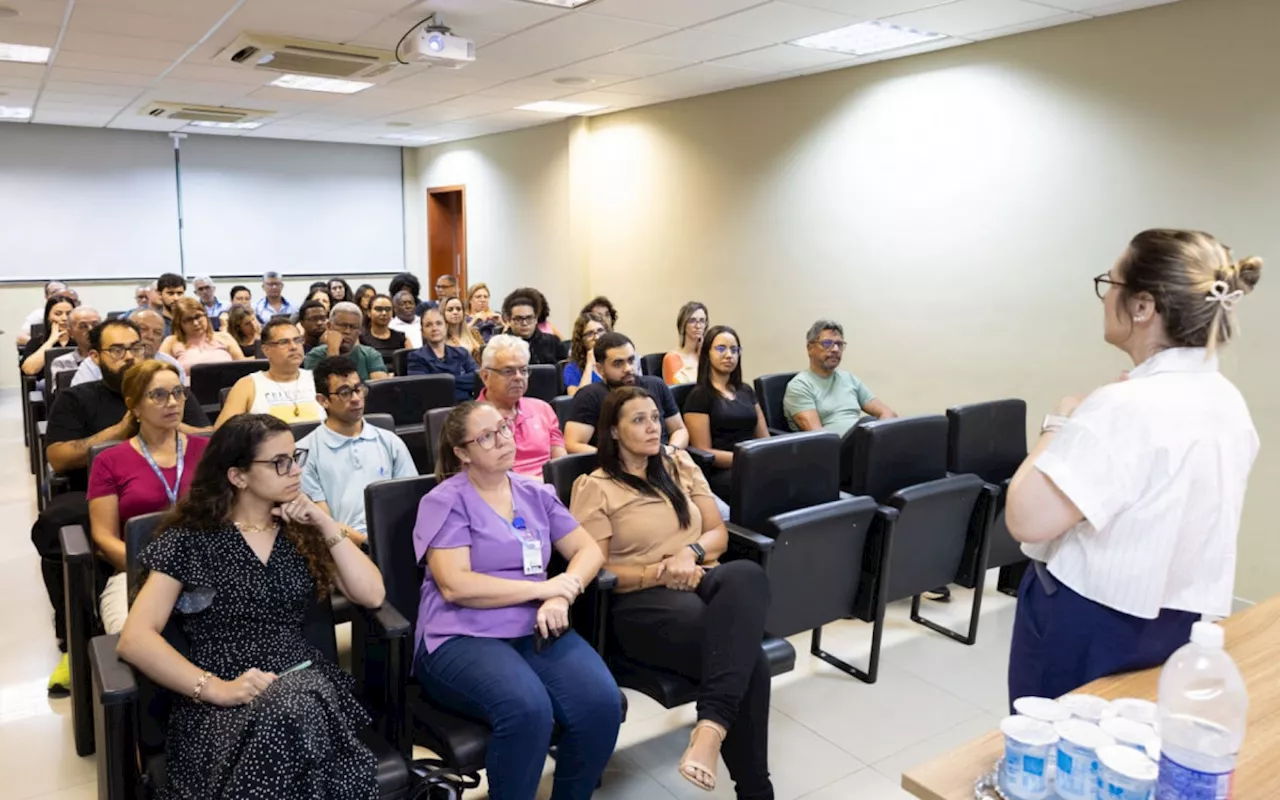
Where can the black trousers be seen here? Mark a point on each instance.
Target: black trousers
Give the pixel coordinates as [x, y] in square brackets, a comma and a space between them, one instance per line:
[712, 635]
[66, 509]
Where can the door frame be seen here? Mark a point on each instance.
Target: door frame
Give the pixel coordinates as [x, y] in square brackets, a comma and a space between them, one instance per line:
[461, 239]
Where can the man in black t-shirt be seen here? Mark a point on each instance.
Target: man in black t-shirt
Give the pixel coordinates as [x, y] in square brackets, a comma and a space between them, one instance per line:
[616, 360]
[520, 312]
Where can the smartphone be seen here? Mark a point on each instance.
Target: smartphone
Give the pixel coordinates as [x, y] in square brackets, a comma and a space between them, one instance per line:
[295, 668]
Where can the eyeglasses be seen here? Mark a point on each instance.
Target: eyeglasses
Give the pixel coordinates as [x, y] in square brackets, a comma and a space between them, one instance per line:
[161, 396]
[511, 372]
[381, 309]
[117, 351]
[285, 464]
[832, 344]
[347, 392]
[1104, 278]
[721, 349]
[529, 320]
[298, 340]
[488, 439]
[344, 327]
[699, 322]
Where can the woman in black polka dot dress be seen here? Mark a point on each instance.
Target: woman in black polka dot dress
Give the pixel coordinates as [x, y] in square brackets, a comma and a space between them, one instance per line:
[239, 560]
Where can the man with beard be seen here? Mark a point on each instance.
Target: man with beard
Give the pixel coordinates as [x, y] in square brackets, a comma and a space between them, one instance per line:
[151, 327]
[825, 397]
[616, 361]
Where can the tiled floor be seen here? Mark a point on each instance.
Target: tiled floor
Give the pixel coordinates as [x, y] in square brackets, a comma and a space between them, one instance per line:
[831, 737]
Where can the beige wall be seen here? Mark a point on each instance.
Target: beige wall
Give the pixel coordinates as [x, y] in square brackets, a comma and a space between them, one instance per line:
[949, 208]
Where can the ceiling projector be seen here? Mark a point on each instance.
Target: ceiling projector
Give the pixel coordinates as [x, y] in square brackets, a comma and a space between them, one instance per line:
[436, 45]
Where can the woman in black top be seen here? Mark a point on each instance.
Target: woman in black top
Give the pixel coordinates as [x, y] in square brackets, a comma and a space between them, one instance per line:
[244, 327]
[378, 335]
[722, 410]
[57, 333]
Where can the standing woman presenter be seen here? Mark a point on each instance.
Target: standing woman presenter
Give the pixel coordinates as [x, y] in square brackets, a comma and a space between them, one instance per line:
[1129, 505]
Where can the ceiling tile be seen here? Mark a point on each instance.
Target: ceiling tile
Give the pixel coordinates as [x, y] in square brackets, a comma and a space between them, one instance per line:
[216, 73]
[544, 86]
[783, 58]
[100, 63]
[194, 22]
[970, 16]
[631, 63]
[453, 82]
[17, 97]
[22, 33]
[562, 41]
[137, 122]
[12, 69]
[697, 78]
[919, 49]
[78, 119]
[36, 12]
[871, 9]
[276, 98]
[695, 45]
[210, 9]
[777, 22]
[387, 34]
[501, 16]
[56, 107]
[1026, 27]
[1121, 7]
[302, 21]
[676, 13]
[105, 80]
[613, 100]
[85, 101]
[214, 94]
[128, 46]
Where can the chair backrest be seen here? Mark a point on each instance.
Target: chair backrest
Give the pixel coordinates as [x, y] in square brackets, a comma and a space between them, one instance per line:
[544, 382]
[770, 389]
[936, 538]
[222, 395]
[116, 314]
[433, 424]
[208, 380]
[563, 405]
[49, 356]
[384, 421]
[407, 398]
[391, 508]
[560, 365]
[652, 364]
[63, 379]
[302, 429]
[400, 361]
[987, 439]
[783, 473]
[37, 330]
[680, 392]
[888, 455]
[94, 452]
[563, 471]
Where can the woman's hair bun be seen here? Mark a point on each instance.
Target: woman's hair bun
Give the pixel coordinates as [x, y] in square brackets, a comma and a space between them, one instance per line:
[1248, 273]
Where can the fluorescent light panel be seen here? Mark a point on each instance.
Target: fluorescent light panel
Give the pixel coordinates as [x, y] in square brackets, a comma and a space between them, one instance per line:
[25, 53]
[560, 3]
[13, 112]
[311, 83]
[559, 107]
[246, 126]
[410, 137]
[867, 37]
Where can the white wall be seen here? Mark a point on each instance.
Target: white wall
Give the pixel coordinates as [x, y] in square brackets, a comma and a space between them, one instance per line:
[949, 208]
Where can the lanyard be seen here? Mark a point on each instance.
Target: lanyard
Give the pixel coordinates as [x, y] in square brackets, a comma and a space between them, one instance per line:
[170, 492]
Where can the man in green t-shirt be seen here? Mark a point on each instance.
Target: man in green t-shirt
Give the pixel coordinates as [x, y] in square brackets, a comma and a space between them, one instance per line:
[342, 336]
[824, 397]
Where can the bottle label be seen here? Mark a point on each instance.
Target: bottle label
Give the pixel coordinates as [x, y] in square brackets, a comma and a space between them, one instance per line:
[1177, 782]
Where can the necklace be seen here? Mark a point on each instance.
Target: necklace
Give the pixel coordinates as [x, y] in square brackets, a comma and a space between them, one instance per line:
[294, 399]
[243, 528]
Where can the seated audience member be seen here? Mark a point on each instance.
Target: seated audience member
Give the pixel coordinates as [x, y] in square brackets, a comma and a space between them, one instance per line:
[722, 410]
[57, 333]
[446, 287]
[146, 473]
[81, 321]
[172, 288]
[437, 358]
[346, 454]
[37, 314]
[241, 296]
[483, 319]
[151, 330]
[616, 361]
[534, 424]
[244, 327]
[379, 334]
[363, 297]
[406, 318]
[343, 339]
[674, 608]
[284, 390]
[340, 291]
[520, 311]
[142, 297]
[208, 296]
[544, 310]
[272, 303]
[320, 295]
[601, 307]
[408, 282]
[194, 342]
[247, 552]
[486, 537]
[825, 397]
[681, 366]
[457, 332]
[581, 369]
[313, 320]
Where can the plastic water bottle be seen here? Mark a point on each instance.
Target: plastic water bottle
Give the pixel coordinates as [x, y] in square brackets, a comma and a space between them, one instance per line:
[1203, 707]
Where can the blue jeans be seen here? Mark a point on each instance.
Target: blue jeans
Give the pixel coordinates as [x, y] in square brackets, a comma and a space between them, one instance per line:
[521, 695]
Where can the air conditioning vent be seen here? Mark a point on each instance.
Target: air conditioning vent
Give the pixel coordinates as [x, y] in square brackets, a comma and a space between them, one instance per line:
[194, 113]
[303, 57]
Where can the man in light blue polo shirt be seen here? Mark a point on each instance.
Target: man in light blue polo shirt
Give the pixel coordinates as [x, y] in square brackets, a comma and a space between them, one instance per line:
[825, 397]
[345, 454]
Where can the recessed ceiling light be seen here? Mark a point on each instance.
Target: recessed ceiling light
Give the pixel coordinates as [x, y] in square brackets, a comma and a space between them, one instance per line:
[560, 3]
[245, 126]
[410, 137]
[26, 53]
[867, 37]
[559, 107]
[11, 112]
[313, 84]
[572, 80]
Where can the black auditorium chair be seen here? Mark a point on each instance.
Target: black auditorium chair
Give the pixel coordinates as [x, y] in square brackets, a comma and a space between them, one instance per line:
[116, 314]
[434, 424]
[770, 389]
[54, 352]
[544, 382]
[563, 406]
[990, 441]
[652, 364]
[680, 392]
[667, 688]
[223, 393]
[400, 361]
[407, 399]
[944, 520]
[63, 379]
[560, 365]
[37, 330]
[207, 380]
[133, 712]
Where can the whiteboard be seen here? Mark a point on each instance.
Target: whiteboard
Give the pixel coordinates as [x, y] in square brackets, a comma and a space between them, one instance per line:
[82, 203]
[314, 208]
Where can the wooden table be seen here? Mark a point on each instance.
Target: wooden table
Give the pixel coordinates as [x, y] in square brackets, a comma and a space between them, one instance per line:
[1253, 639]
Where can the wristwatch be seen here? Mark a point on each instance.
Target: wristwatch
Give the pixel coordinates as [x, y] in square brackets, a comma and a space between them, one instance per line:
[699, 553]
[1053, 423]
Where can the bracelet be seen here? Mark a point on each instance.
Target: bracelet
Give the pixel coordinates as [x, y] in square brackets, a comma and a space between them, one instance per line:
[200, 684]
[336, 540]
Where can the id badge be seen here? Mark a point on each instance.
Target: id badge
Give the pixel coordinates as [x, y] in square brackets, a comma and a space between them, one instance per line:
[532, 557]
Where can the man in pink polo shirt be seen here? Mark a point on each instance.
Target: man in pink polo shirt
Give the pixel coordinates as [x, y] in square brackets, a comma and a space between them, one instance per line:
[504, 369]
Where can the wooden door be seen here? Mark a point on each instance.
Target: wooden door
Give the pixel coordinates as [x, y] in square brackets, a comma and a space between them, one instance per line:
[446, 238]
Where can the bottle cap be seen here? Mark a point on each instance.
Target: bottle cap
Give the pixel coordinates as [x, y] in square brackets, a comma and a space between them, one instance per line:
[1206, 634]
[1041, 708]
[1128, 762]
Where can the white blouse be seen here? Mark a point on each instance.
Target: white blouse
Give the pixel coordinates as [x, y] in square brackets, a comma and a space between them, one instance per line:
[1158, 465]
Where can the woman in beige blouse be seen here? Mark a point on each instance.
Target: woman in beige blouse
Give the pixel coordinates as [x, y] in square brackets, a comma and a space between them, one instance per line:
[677, 608]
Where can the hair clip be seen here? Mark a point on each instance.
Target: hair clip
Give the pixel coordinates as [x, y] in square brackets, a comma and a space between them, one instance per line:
[1221, 293]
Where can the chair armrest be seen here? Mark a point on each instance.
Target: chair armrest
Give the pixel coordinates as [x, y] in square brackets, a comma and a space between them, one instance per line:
[702, 458]
[874, 588]
[977, 548]
[75, 544]
[113, 679]
[605, 581]
[384, 622]
[778, 432]
[746, 538]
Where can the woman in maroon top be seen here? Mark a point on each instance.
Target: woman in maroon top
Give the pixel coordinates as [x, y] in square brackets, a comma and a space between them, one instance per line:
[144, 474]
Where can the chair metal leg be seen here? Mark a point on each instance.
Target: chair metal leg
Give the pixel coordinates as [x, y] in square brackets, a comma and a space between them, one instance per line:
[873, 662]
[974, 613]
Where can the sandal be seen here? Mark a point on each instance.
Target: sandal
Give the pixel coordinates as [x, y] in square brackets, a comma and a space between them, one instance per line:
[700, 775]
